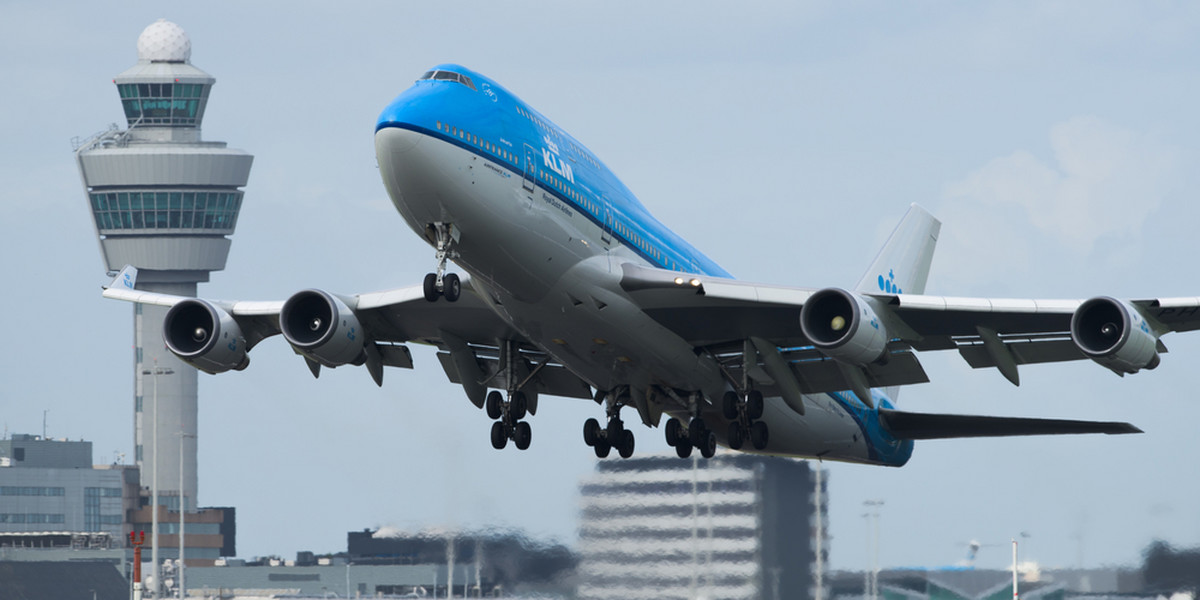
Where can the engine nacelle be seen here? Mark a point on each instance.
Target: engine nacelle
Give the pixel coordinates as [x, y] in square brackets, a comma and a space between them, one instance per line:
[320, 326]
[205, 336]
[844, 326]
[1114, 334]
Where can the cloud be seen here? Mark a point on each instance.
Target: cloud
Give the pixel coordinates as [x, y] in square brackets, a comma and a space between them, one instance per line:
[1100, 186]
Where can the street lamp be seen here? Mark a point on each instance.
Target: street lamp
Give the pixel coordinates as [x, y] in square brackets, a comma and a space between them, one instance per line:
[872, 507]
[156, 571]
[182, 509]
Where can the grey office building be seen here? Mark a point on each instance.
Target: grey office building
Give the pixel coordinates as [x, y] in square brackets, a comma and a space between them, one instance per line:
[734, 526]
[51, 486]
[166, 202]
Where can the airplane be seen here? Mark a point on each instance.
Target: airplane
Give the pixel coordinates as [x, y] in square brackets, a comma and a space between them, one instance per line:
[570, 288]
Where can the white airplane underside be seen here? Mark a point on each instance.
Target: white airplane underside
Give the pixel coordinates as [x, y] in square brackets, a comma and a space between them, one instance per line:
[571, 289]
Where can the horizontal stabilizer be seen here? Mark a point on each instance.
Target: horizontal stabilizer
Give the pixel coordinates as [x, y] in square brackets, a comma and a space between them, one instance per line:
[923, 426]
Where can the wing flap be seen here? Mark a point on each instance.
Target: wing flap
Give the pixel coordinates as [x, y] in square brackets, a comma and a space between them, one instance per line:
[931, 426]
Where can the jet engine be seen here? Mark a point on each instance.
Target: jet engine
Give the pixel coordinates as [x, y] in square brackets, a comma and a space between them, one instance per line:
[844, 326]
[321, 327]
[1114, 334]
[205, 336]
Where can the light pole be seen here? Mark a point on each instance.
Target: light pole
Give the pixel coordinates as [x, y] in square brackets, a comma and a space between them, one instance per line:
[872, 507]
[182, 509]
[156, 571]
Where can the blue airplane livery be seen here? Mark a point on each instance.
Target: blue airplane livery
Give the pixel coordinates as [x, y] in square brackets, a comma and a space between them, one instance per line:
[564, 285]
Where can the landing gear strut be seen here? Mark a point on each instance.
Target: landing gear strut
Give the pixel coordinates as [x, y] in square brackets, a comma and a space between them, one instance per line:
[613, 435]
[441, 283]
[745, 415]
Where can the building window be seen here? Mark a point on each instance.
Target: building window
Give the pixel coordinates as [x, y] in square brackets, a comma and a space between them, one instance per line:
[171, 104]
[184, 210]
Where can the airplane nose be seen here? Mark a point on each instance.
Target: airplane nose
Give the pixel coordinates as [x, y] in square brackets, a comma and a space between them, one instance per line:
[394, 141]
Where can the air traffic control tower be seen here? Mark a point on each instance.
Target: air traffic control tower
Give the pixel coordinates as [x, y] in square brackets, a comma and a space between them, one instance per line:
[165, 202]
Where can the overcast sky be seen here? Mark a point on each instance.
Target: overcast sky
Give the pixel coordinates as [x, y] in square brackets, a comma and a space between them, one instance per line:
[1056, 141]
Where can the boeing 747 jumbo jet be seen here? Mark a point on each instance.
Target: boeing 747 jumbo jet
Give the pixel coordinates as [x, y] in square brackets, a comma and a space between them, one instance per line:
[571, 288]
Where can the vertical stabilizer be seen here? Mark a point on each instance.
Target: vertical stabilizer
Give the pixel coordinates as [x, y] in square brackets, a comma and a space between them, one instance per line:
[902, 266]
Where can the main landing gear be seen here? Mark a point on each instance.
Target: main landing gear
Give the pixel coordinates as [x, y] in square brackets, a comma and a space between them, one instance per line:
[697, 435]
[613, 435]
[442, 283]
[508, 415]
[745, 415]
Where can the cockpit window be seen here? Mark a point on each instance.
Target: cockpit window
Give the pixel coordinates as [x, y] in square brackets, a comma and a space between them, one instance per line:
[449, 76]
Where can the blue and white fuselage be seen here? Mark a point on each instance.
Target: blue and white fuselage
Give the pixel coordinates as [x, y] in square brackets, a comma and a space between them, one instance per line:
[544, 229]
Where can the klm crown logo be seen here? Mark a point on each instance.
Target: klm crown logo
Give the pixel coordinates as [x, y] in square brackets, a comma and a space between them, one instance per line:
[889, 285]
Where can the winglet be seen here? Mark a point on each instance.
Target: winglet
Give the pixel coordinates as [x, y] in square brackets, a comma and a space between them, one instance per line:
[127, 278]
[902, 266]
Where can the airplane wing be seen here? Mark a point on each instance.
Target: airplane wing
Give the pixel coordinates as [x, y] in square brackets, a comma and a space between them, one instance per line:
[835, 339]
[371, 329]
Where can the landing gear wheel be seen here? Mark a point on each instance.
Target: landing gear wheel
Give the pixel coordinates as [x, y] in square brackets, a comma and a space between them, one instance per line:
[602, 448]
[430, 287]
[591, 432]
[729, 405]
[494, 405]
[696, 430]
[499, 436]
[754, 405]
[522, 435]
[615, 429]
[626, 447]
[735, 436]
[451, 287]
[759, 435]
[683, 448]
[709, 448]
[516, 408]
[674, 432]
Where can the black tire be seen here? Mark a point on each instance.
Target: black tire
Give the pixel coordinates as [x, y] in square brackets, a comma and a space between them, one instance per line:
[729, 405]
[696, 430]
[517, 407]
[494, 405]
[602, 448]
[430, 287]
[735, 436]
[627, 441]
[754, 405]
[683, 449]
[710, 445]
[499, 436]
[451, 287]
[759, 435]
[523, 435]
[615, 427]
[591, 432]
[674, 432]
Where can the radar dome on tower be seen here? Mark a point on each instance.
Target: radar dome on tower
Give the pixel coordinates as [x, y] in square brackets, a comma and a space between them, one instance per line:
[164, 41]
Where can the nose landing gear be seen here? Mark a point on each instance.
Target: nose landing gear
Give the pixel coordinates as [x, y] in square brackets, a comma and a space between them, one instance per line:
[440, 283]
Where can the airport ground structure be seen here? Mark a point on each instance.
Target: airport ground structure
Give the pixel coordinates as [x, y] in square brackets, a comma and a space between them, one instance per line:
[735, 526]
[166, 202]
[56, 505]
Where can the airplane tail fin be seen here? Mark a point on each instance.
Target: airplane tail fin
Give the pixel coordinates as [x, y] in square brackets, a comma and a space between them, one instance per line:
[902, 266]
[927, 426]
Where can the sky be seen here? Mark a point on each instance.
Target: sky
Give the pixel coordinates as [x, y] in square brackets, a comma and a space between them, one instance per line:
[1055, 141]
